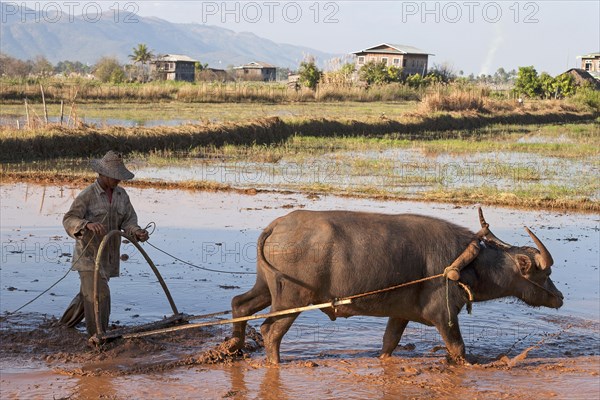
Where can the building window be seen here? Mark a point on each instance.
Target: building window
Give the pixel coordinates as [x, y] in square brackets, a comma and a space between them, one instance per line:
[588, 65]
[404, 62]
[361, 60]
[396, 61]
[385, 60]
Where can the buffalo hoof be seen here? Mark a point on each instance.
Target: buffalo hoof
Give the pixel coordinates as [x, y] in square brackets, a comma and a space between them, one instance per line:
[461, 360]
[385, 356]
[272, 362]
[234, 344]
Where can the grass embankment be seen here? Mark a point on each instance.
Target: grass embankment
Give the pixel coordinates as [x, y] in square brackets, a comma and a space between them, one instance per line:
[54, 141]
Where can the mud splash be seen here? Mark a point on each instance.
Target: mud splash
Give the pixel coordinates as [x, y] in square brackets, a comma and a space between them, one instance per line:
[68, 351]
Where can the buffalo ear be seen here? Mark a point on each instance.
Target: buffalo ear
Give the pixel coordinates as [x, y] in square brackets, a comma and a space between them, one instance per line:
[524, 263]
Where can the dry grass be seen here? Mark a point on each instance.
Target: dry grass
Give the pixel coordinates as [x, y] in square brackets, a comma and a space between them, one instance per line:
[453, 101]
[457, 100]
[202, 92]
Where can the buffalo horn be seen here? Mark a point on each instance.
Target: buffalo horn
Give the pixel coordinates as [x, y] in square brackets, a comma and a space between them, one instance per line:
[545, 259]
[489, 236]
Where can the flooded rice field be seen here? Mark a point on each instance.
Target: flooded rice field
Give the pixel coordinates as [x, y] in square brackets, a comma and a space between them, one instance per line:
[397, 171]
[516, 350]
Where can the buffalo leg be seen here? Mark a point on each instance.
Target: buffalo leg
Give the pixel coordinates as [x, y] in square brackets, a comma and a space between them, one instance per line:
[272, 331]
[391, 337]
[256, 299]
[454, 342]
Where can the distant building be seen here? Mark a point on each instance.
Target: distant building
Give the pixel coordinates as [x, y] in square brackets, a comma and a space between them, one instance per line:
[591, 63]
[584, 78]
[173, 67]
[256, 71]
[214, 75]
[410, 59]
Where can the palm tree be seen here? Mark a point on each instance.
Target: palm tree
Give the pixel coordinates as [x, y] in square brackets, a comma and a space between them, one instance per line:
[141, 55]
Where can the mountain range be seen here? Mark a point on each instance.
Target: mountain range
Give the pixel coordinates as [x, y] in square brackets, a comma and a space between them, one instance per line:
[26, 33]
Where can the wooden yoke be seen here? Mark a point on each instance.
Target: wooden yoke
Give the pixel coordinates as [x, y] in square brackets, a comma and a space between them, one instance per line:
[452, 272]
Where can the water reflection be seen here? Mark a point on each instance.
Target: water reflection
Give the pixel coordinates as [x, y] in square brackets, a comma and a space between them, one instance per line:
[95, 387]
[270, 386]
[237, 374]
[243, 381]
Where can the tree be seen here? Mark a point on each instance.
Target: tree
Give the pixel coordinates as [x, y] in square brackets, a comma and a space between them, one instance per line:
[198, 66]
[442, 72]
[69, 67]
[41, 67]
[415, 81]
[340, 76]
[379, 73]
[547, 86]
[13, 67]
[141, 55]
[346, 71]
[108, 69]
[283, 73]
[528, 83]
[309, 74]
[564, 85]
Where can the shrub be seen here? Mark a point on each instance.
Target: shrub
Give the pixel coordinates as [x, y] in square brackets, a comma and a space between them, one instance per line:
[378, 73]
[106, 70]
[528, 83]
[588, 98]
[310, 75]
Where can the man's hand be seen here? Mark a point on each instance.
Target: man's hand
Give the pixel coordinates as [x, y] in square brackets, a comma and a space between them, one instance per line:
[141, 235]
[96, 228]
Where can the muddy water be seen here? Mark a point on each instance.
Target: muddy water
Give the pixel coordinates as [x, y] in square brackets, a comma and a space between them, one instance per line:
[321, 358]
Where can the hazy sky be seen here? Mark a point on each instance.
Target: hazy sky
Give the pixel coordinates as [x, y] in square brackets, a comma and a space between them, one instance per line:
[472, 36]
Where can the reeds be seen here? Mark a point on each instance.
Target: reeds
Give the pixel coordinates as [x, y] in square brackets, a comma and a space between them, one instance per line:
[201, 92]
[458, 100]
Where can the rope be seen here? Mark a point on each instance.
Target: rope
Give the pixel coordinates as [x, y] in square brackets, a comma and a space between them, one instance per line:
[529, 280]
[333, 303]
[356, 296]
[153, 225]
[450, 324]
[58, 281]
[39, 295]
[199, 267]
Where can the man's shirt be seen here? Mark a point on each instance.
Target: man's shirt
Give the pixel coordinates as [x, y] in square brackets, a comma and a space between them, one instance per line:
[93, 205]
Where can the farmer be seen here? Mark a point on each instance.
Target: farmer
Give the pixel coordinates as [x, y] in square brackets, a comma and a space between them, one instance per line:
[97, 210]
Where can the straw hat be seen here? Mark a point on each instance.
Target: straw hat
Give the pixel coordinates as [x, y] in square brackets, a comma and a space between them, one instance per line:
[111, 165]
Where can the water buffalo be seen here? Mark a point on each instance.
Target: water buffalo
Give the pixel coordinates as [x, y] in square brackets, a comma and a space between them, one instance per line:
[312, 257]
